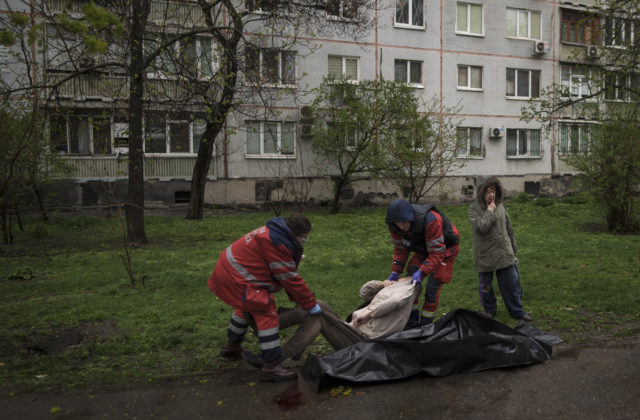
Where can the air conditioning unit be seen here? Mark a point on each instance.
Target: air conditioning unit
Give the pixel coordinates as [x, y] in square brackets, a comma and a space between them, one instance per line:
[540, 47]
[306, 122]
[496, 132]
[592, 52]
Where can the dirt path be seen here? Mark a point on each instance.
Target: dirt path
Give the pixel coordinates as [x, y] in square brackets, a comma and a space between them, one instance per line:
[578, 382]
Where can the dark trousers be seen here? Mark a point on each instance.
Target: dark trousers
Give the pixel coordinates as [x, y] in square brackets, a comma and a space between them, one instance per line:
[337, 332]
[509, 284]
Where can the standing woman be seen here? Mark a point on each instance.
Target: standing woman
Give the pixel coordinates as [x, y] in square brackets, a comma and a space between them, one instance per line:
[494, 249]
[258, 264]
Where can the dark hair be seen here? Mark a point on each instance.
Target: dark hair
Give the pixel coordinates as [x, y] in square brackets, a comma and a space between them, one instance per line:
[298, 224]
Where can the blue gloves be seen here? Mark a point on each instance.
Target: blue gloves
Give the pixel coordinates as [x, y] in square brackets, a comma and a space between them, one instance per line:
[315, 310]
[417, 277]
[393, 276]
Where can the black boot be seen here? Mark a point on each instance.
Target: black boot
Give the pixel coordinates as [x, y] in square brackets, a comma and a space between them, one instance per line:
[414, 320]
[232, 350]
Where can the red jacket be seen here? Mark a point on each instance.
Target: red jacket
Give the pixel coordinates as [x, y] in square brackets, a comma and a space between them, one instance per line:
[267, 259]
[436, 248]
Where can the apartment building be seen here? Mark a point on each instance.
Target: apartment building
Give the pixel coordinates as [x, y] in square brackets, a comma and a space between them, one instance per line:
[488, 57]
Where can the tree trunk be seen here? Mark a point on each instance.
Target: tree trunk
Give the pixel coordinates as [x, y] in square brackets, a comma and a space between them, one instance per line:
[200, 171]
[43, 211]
[134, 208]
[339, 186]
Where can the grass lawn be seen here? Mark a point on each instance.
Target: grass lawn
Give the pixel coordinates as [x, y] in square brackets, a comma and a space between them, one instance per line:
[71, 318]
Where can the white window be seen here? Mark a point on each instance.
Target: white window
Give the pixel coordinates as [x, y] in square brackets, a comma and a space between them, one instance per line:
[343, 9]
[409, 13]
[621, 87]
[523, 24]
[469, 142]
[575, 80]
[262, 6]
[408, 71]
[4, 56]
[194, 59]
[574, 138]
[80, 135]
[271, 66]
[469, 19]
[469, 77]
[163, 135]
[619, 31]
[523, 83]
[523, 143]
[270, 138]
[344, 67]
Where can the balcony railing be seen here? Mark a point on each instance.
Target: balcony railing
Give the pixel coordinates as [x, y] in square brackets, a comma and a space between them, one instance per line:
[112, 167]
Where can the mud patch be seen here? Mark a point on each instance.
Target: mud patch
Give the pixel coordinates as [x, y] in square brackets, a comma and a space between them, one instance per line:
[66, 339]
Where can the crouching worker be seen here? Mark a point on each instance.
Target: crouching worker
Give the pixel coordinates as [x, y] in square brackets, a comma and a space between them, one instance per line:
[387, 312]
[258, 264]
[433, 239]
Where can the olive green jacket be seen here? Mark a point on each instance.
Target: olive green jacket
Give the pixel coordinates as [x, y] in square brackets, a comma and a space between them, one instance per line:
[493, 244]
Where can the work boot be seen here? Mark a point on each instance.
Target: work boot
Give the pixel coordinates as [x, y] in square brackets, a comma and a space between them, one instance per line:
[274, 370]
[232, 350]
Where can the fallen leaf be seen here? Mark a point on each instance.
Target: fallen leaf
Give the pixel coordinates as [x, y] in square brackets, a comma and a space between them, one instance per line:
[204, 381]
[252, 384]
[220, 402]
[55, 410]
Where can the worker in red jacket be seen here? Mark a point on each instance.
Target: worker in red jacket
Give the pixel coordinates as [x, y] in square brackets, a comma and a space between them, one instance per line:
[433, 239]
[246, 275]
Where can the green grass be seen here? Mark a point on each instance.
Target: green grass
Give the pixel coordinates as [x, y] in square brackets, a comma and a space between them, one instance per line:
[67, 275]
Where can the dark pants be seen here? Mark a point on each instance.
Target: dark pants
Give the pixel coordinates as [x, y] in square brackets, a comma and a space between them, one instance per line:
[509, 284]
[337, 332]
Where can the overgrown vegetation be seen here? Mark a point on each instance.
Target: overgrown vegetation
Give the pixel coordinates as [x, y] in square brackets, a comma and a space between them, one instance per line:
[71, 317]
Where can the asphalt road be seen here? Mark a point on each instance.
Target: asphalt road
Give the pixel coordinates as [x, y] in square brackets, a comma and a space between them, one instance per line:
[579, 382]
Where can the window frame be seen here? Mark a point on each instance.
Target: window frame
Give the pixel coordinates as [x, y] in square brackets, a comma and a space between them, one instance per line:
[279, 132]
[410, 25]
[342, 6]
[167, 136]
[409, 73]
[586, 26]
[91, 132]
[529, 13]
[467, 30]
[582, 137]
[528, 154]
[516, 85]
[469, 78]
[571, 85]
[468, 146]
[609, 40]
[261, 71]
[178, 48]
[344, 59]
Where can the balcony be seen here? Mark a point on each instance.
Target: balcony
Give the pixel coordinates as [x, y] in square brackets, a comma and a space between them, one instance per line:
[113, 167]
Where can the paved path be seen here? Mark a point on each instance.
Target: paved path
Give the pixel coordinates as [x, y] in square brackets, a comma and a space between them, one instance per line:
[577, 383]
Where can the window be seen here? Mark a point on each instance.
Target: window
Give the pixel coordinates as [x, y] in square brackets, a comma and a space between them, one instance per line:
[469, 77]
[270, 138]
[408, 71]
[345, 9]
[410, 13]
[523, 24]
[618, 31]
[469, 142]
[579, 28]
[80, 135]
[271, 66]
[163, 135]
[193, 58]
[344, 67]
[266, 6]
[523, 83]
[574, 138]
[621, 87]
[523, 143]
[4, 56]
[576, 81]
[469, 19]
